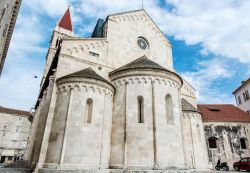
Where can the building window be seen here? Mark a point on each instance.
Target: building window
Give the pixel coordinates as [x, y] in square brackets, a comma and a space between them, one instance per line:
[18, 128]
[140, 109]
[169, 109]
[243, 143]
[5, 30]
[247, 95]
[212, 142]
[239, 100]
[88, 111]
[94, 54]
[199, 132]
[2, 12]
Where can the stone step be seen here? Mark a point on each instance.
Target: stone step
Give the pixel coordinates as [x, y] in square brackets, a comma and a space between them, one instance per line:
[14, 170]
[46, 170]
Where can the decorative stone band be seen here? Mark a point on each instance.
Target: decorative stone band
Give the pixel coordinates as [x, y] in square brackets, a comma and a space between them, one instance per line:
[194, 115]
[85, 84]
[147, 75]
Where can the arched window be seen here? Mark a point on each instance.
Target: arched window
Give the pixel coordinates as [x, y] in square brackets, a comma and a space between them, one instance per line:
[212, 142]
[243, 143]
[88, 111]
[140, 109]
[198, 131]
[169, 109]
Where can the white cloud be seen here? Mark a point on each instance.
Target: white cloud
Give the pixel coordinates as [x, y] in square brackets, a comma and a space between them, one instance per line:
[221, 27]
[51, 7]
[204, 78]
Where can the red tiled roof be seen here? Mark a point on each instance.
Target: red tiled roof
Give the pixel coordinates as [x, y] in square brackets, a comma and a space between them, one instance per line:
[14, 111]
[65, 22]
[222, 113]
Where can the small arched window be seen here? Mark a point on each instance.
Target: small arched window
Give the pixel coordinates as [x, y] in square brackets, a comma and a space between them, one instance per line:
[212, 142]
[243, 143]
[88, 111]
[198, 131]
[140, 101]
[169, 109]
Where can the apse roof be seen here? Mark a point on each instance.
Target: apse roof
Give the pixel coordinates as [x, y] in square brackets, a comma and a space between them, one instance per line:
[86, 73]
[186, 106]
[222, 113]
[140, 63]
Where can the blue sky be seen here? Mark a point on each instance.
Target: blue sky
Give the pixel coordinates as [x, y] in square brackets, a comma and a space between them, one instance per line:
[210, 39]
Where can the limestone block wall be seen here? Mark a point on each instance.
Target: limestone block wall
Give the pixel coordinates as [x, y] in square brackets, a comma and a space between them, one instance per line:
[75, 143]
[77, 55]
[189, 93]
[14, 133]
[155, 142]
[40, 119]
[227, 137]
[194, 141]
[122, 33]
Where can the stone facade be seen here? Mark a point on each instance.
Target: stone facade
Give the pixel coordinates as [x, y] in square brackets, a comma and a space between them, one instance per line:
[227, 134]
[115, 102]
[8, 14]
[228, 138]
[14, 133]
[242, 96]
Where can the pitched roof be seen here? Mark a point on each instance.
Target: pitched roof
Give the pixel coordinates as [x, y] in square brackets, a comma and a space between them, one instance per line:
[87, 73]
[140, 63]
[186, 106]
[222, 113]
[65, 21]
[242, 84]
[14, 111]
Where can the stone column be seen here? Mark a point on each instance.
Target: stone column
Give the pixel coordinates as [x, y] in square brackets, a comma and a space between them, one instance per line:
[52, 90]
[30, 146]
[156, 165]
[125, 128]
[66, 126]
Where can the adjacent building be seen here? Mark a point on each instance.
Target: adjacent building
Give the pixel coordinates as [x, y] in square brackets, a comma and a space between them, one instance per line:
[242, 96]
[227, 132]
[8, 13]
[14, 133]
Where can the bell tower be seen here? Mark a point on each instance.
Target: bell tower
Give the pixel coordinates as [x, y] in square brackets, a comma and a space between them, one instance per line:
[63, 29]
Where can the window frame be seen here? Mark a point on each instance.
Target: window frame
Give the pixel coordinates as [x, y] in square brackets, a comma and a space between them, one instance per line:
[88, 111]
[140, 105]
[245, 143]
[216, 144]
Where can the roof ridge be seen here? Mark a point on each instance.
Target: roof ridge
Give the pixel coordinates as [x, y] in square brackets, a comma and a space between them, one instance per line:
[86, 73]
[140, 63]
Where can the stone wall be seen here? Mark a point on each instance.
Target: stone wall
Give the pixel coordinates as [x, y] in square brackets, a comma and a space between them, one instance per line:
[14, 133]
[156, 142]
[194, 141]
[73, 142]
[227, 137]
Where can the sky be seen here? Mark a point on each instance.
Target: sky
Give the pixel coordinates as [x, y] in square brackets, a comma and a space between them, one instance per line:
[210, 39]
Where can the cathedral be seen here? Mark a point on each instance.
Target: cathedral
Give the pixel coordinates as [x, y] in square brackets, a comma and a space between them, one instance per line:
[113, 102]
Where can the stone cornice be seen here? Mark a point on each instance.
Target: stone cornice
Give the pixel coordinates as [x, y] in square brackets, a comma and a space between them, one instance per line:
[148, 72]
[84, 83]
